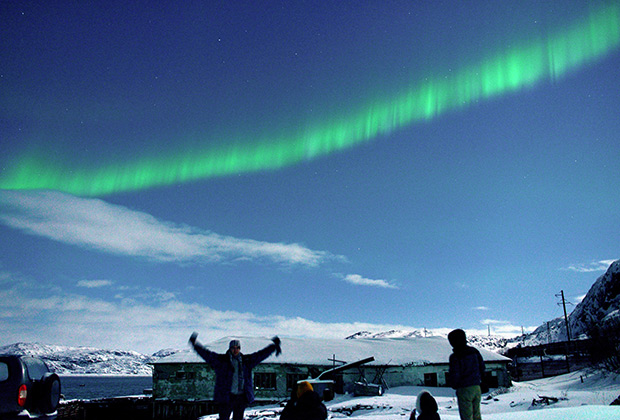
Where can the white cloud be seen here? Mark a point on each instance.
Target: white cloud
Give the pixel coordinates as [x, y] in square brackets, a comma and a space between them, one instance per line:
[493, 322]
[362, 281]
[602, 265]
[481, 308]
[32, 312]
[92, 284]
[578, 299]
[140, 320]
[96, 224]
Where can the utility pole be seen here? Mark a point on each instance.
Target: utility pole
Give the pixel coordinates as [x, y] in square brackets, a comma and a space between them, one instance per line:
[565, 316]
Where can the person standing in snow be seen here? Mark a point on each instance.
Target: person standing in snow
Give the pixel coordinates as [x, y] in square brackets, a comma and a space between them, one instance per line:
[426, 405]
[305, 404]
[234, 389]
[465, 375]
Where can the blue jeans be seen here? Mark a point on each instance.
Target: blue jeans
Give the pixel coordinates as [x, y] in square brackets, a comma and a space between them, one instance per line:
[235, 405]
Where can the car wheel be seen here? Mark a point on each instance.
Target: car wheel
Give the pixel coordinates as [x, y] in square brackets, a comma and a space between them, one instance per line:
[50, 393]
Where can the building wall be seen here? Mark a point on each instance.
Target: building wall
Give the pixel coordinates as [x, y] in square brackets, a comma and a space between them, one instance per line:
[425, 375]
[414, 375]
[187, 381]
[497, 375]
[195, 381]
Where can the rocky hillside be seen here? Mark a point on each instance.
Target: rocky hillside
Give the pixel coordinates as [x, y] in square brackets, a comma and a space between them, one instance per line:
[601, 304]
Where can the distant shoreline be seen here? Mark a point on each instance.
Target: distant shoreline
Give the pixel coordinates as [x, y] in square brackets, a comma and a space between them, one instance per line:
[107, 375]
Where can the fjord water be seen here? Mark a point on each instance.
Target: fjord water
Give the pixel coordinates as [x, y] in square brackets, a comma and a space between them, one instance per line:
[90, 387]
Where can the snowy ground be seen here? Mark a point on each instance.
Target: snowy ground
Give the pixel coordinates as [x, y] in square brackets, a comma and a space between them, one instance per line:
[579, 395]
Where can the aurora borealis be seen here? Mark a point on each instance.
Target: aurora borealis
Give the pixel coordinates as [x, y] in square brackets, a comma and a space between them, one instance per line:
[310, 169]
[518, 67]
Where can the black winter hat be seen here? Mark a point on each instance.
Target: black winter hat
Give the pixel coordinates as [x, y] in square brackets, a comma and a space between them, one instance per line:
[457, 338]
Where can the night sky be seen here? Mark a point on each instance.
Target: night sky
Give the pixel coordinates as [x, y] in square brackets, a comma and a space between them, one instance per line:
[302, 168]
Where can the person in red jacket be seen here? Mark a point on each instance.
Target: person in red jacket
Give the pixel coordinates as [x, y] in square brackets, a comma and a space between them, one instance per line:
[233, 389]
[465, 375]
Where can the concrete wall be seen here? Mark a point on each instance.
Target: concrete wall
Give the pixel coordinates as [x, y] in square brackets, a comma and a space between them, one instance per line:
[499, 372]
[188, 381]
[424, 375]
[195, 381]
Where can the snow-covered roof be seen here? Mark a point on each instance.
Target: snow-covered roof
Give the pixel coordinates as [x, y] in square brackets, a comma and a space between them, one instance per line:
[313, 351]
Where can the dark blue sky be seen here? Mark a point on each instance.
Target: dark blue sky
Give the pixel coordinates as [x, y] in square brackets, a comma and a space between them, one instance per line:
[475, 215]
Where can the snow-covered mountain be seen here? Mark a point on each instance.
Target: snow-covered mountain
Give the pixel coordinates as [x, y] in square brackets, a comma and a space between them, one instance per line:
[87, 360]
[390, 334]
[493, 343]
[601, 304]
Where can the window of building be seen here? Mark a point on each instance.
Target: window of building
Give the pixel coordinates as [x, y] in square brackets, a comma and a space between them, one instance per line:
[265, 380]
[430, 379]
[491, 379]
[293, 378]
[185, 375]
[161, 375]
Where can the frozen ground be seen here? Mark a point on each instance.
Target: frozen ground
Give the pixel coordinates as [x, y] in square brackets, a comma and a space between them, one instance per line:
[579, 395]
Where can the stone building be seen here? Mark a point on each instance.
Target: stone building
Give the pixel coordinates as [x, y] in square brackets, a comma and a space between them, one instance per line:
[397, 362]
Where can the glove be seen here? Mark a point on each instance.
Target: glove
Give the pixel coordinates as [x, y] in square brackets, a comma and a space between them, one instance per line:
[192, 338]
[276, 341]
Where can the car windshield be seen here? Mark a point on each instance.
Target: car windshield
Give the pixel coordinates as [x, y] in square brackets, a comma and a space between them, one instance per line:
[35, 367]
[4, 372]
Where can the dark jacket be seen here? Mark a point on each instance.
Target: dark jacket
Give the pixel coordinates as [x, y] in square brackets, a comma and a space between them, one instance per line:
[466, 367]
[223, 368]
[307, 407]
[426, 405]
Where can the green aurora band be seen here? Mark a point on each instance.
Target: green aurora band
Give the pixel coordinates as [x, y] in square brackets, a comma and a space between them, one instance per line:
[514, 69]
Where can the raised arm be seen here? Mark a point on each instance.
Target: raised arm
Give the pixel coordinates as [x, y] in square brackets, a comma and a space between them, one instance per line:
[209, 356]
[259, 356]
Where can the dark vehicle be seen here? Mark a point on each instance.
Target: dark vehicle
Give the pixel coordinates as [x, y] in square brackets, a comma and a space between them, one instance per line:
[28, 389]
